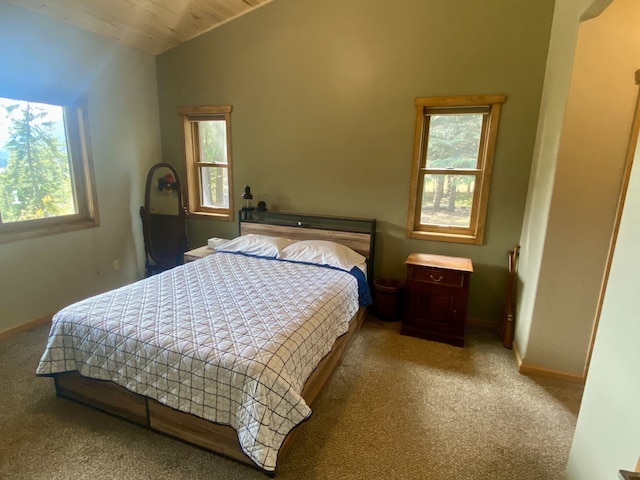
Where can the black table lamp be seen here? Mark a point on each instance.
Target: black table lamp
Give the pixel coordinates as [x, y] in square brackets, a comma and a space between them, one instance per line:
[247, 197]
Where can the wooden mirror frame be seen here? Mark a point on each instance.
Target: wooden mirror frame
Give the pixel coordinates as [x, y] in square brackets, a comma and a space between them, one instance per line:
[154, 261]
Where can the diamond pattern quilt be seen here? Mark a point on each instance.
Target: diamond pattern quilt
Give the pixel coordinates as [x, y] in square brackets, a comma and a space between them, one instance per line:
[228, 338]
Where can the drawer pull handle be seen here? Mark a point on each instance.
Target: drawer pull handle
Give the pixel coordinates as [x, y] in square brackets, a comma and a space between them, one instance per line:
[439, 279]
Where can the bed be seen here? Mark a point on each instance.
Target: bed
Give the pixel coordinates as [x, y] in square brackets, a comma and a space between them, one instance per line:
[292, 290]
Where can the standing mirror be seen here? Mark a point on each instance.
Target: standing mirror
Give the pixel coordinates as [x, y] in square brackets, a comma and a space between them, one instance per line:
[163, 220]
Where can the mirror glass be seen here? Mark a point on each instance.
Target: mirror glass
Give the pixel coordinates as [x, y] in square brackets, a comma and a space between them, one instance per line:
[163, 219]
[164, 192]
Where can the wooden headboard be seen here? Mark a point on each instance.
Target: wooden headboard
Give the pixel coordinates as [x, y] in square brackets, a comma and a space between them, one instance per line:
[356, 233]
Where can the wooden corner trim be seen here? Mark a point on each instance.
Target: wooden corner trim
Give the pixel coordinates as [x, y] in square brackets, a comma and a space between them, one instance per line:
[537, 371]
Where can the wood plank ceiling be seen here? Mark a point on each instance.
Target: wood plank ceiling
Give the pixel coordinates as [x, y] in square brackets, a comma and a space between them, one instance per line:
[151, 26]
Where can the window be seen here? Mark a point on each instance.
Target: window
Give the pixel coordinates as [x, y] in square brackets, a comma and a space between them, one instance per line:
[46, 176]
[207, 146]
[452, 155]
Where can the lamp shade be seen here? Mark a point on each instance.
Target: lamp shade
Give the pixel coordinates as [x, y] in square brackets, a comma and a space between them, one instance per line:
[246, 195]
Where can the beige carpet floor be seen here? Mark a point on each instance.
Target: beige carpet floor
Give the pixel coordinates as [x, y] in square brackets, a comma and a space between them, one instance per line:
[397, 408]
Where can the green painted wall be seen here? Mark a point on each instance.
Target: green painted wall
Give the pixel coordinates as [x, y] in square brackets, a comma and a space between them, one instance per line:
[45, 60]
[322, 94]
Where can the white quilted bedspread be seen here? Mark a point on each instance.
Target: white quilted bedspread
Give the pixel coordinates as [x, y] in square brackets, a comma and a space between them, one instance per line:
[228, 338]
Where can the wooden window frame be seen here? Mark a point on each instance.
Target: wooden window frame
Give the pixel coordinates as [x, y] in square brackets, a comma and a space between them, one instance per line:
[190, 117]
[490, 106]
[82, 178]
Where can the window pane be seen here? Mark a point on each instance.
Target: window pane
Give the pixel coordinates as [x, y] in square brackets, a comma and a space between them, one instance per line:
[213, 141]
[446, 200]
[215, 187]
[454, 140]
[35, 174]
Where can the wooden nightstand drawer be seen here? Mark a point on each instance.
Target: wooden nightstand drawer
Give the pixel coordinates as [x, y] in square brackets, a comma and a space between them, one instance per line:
[436, 276]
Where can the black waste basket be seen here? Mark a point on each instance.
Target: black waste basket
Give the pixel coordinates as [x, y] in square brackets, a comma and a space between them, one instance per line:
[386, 299]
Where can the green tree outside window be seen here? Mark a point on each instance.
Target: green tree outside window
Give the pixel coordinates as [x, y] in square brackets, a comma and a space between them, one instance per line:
[36, 180]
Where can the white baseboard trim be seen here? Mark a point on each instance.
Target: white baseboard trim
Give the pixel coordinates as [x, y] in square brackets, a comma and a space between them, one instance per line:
[536, 371]
[23, 327]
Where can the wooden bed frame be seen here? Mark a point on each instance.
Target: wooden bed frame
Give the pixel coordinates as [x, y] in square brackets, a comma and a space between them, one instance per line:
[358, 234]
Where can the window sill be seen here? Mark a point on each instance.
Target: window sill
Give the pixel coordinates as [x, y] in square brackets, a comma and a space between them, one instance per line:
[445, 237]
[22, 232]
[225, 217]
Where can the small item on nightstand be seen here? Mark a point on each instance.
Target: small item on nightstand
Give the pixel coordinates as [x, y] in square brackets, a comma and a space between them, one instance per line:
[216, 242]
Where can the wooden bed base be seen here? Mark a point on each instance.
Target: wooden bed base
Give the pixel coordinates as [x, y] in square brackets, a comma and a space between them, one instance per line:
[358, 234]
[146, 412]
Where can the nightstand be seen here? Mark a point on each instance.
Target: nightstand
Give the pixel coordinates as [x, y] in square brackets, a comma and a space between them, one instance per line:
[198, 253]
[436, 294]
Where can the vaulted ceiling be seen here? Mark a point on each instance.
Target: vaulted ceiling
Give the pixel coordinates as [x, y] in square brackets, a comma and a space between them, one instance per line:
[152, 26]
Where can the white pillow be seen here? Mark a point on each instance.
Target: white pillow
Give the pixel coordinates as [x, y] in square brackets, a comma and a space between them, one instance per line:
[322, 252]
[254, 244]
